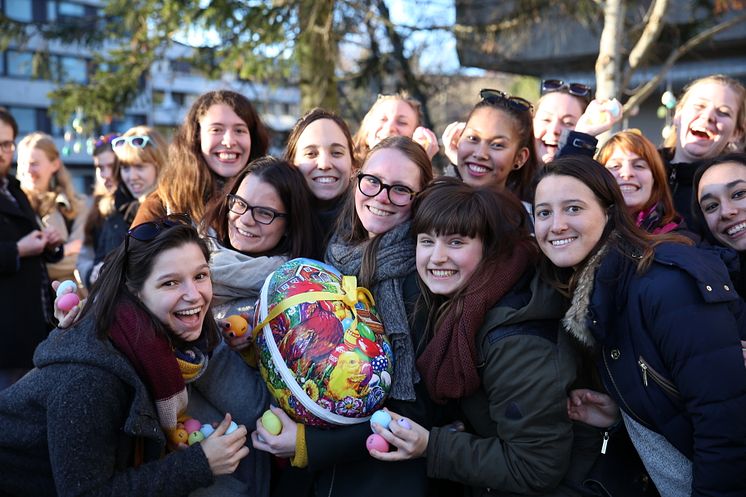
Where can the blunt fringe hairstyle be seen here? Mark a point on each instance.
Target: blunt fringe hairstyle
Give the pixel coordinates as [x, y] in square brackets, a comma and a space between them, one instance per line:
[309, 117]
[448, 206]
[301, 237]
[187, 181]
[349, 225]
[632, 141]
[700, 225]
[620, 232]
[154, 152]
[519, 181]
[123, 276]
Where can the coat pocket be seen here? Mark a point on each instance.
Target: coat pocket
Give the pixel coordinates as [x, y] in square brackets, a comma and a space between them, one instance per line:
[650, 374]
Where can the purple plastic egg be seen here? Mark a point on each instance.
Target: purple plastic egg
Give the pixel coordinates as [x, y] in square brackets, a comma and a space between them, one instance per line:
[404, 423]
[377, 442]
[67, 302]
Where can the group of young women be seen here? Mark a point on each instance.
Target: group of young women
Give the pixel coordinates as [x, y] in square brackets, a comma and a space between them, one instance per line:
[533, 301]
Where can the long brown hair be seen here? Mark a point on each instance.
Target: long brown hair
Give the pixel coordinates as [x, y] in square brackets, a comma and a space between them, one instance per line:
[309, 117]
[632, 141]
[620, 232]
[301, 238]
[349, 224]
[186, 183]
[123, 276]
[448, 206]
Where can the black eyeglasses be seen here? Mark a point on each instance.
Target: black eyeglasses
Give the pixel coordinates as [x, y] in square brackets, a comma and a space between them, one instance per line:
[147, 231]
[370, 186]
[576, 89]
[262, 215]
[136, 141]
[502, 98]
[8, 146]
[105, 139]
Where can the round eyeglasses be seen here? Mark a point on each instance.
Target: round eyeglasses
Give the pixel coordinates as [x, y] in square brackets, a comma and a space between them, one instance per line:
[370, 186]
[262, 215]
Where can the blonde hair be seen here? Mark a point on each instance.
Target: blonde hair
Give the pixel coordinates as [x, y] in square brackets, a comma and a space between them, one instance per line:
[60, 183]
[154, 152]
[360, 140]
[735, 85]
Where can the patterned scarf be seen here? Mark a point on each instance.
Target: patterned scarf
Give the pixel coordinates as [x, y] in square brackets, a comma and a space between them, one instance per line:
[448, 363]
[395, 260]
[164, 370]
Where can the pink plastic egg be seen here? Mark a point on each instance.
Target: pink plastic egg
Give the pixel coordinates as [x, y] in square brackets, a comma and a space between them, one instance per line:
[377, 442]
[68, 301]
[191, 425]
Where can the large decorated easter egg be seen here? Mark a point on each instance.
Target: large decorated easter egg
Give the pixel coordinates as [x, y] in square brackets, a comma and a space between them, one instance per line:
[322, 349]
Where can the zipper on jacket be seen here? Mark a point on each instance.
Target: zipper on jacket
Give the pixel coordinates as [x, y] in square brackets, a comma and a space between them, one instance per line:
[605, 442]
[619, 393]
[664, 383]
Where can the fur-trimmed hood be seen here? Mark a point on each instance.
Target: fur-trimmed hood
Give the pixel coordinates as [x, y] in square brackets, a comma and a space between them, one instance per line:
[576, 317]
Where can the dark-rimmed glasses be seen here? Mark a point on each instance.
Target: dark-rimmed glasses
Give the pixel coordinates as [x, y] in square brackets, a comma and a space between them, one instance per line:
[147, 231]
[500, 97]
[8, 146]
[105, 139]
[140, 141]
[262, 215]
[576, 89]
[370, 186]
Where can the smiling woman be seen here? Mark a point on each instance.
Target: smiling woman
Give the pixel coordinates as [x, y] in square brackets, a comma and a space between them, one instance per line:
[639, 304]
[121, 372]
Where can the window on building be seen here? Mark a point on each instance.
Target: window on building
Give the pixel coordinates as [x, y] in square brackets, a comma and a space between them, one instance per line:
[19, 10]
[73, 69]
[19, 63]
[26, 119]
[71, 9]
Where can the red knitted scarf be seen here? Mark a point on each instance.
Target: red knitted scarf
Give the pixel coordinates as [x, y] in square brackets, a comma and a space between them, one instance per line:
[152, 356]
[448, 363]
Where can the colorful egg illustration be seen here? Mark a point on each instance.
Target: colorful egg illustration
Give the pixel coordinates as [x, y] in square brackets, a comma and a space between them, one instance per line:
[316, 363]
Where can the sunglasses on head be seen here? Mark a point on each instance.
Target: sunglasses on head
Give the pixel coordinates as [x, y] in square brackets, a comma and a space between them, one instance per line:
[502, 98]
[104, 139]
[147, 231]
[576, 89]
[135, 141]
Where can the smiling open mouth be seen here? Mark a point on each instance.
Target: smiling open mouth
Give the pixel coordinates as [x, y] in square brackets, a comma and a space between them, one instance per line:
[563, 242]
[378, 212]
[443, 273]
[735, 230]
[227, 156]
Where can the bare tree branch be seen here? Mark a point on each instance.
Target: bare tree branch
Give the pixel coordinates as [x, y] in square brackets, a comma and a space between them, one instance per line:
[645, 91]
[649, 36]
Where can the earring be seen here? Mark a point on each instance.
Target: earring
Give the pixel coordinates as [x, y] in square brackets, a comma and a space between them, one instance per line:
[516, 166]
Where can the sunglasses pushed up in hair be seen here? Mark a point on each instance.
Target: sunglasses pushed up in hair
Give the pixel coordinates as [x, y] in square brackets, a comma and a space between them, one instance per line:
[575, 89]
[147, 231]
[141, 141]
[502, 98]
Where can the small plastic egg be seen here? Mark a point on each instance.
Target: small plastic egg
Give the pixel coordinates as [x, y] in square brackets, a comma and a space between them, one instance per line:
[346, 323]
[377, 442]
[178, 436]
[614, 107]
[239, 326]
[233, 427]
[191, 425]
[381, 417]
[68, 301]
[271, 422]
[404, 423]
[196, 436]
[67, 286]
[207, 430]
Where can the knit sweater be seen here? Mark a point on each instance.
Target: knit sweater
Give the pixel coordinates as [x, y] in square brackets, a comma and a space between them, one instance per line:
[70, 427]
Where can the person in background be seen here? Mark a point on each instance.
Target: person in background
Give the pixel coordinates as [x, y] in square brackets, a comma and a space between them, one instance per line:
[394, 115]
[25, 246]
[320, 146]
[710, 120]
[641, 175]
[49, 187]
[221, 134]
[102, 203]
